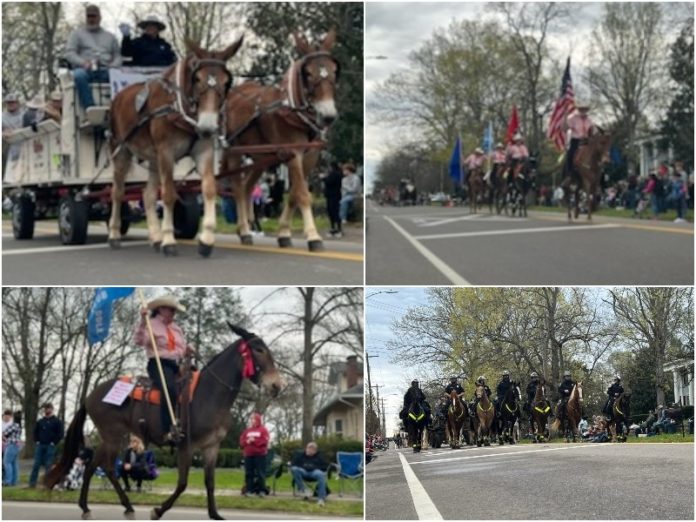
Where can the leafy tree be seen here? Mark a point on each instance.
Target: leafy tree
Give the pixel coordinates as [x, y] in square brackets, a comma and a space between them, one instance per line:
[678, 125]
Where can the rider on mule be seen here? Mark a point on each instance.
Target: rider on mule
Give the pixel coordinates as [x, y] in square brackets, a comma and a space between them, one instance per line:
[475, 160]
[581, 127]
[498, 158]
[564, 390]
[501, 390]
[517, 154]
[612, 394]
[414, 394]
[481, 381]
[531, 392]
[452, 386]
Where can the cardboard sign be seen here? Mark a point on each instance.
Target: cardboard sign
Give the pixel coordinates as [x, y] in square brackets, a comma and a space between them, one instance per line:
[118, 393]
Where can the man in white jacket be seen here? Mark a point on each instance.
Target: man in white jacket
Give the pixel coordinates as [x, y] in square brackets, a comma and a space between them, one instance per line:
[350, 188]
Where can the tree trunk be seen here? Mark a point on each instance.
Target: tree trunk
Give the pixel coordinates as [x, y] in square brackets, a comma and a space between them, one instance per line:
[307, 382]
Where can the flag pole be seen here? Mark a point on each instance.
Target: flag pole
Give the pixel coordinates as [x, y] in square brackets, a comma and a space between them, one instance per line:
[157, 359]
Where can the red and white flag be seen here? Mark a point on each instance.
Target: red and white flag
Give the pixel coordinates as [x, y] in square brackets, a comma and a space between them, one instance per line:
[564, 106]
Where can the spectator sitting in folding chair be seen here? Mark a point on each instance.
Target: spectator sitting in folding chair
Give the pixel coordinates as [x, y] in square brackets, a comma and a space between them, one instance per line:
[138, 464]
[310, 465]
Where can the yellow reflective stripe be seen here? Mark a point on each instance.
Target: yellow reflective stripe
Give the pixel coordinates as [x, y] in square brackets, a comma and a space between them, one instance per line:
[487, 409]
[540, 410]
[508, 408]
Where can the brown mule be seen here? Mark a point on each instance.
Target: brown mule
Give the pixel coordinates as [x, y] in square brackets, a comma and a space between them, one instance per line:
[475, 183]
[180, 117]
[588, 162]
[540, 410]
[295, 113]
[497, 191]
[457, 418]
[572, 416]
[485, 414]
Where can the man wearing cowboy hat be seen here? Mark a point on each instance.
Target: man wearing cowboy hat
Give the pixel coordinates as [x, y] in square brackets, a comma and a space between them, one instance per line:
[54, 107]
[149, 49]
[475, 159]
[91, 50]
[171, 346]
[517, 152]
[581, 127]
[34, 113]
[498, 158]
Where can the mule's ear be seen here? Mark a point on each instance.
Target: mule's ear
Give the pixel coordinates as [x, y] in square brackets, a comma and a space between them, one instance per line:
[329, 40]
[193, 47]
[301, 43]
[228, 53]
[241, 332]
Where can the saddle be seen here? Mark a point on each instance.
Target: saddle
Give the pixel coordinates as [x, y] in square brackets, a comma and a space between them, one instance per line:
[144, 390]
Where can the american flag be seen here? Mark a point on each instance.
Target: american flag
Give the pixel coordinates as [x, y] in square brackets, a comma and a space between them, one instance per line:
[564, 105]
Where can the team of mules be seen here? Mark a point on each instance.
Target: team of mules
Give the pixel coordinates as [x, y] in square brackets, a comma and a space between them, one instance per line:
[205, 418]
[193, 108]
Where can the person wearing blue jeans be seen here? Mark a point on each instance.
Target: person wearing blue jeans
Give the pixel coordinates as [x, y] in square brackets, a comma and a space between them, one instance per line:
[48, 432]
[310, 465]
[350, 187]
[11, 435]
[83, 79]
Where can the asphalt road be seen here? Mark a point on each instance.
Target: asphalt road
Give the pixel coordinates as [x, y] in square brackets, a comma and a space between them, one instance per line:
[443, 246]
[48, 511]
[538, 482]
[45, 261]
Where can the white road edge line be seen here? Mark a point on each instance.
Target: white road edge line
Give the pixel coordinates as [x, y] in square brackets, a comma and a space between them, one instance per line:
[438, 263]
[510, 453]
[425, 508]
[516, 231]
[68, 248]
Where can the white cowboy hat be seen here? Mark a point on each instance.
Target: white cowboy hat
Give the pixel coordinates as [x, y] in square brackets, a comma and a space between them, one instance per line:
[478, 150]
[168, 301]
[152, 19]
[517, 136]
[582, 106]
[57, 96]
[499, 146]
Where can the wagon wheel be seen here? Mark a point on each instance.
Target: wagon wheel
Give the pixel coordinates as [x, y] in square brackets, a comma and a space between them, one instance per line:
[73, 218]
[23, 218]
[187, 214]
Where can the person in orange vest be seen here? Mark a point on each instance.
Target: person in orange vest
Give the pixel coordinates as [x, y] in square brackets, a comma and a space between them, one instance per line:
[581, 127]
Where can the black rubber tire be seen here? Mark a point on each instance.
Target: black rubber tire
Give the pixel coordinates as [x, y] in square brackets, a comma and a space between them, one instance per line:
[187, 215]
[23, 218]
[73, 219]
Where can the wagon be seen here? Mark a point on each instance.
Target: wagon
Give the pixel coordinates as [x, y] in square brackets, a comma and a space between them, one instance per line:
[63, 169]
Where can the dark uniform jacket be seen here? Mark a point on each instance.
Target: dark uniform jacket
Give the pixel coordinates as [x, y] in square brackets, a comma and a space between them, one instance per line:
[48, 430]
[454, 387]
[565, 389]
[502, 389]
[413, 394]
[615, 390]
[531, 390]
[316, 461]
[148, 52]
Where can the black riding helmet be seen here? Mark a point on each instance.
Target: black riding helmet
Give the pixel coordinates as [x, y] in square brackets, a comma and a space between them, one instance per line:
[506, 375]
[566, 375]
[453, 379]
[414, 383]
[534, 375]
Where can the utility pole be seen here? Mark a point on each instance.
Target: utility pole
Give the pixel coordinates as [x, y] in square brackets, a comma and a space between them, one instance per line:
[378, 386]
[384, 421]
[369, 382]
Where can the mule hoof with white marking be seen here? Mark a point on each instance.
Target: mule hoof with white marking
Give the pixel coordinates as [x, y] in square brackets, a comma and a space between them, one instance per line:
[205, 250]
[156, 246]
[316, 245]
[154, 515]
[170, 251]
[247, 239]
[115, 243]
[129, 515]
[284, 242]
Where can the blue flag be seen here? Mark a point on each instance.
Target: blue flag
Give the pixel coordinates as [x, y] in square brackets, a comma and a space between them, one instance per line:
[99, 318]
[455, 162]
[488, 138]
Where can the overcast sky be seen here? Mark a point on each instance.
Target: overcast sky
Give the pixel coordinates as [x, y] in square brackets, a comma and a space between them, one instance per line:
[381, 309]
[393, 30]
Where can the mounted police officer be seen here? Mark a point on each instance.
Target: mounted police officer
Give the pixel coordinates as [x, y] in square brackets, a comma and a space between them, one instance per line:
[452, 386]
[481, 381]
[612, 394]
[531, 392]
[414, 395]
[564, 391]
[501, 390]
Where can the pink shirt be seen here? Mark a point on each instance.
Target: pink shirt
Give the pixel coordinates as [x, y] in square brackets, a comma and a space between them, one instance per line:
[159, 329]
[499, 157]
[579, 126]
[517, 151]
[473, 161]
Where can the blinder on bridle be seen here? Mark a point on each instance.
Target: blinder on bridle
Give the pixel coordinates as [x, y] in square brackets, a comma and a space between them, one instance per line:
[196, 64]
[324, 74]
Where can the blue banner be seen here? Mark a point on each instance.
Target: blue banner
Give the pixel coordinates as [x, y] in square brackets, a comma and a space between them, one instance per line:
[488, 138]
[99, 318]
[455, 162]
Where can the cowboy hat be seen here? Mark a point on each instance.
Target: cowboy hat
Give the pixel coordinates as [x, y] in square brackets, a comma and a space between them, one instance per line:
[478, 150]
[582, 106]
[56, 96]
[152, 19]
[499, 146]
[167, 301]
[517, 136]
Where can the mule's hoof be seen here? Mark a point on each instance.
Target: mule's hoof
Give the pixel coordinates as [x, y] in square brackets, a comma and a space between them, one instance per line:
[115, 244]
[154, 514]
[316, 245]
[156, 246]
[87, 515]
[170, 251]
[129, 515]
[284, 242]
[205, 250]
[247, 239]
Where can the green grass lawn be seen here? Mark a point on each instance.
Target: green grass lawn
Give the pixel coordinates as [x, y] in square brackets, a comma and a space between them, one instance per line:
[677, 437]
[670, 215]
[226, 481]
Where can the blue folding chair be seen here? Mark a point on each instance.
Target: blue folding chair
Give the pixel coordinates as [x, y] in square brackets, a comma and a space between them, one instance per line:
[350, 468]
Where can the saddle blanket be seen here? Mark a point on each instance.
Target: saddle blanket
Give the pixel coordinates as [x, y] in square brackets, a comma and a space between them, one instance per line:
[153, 395]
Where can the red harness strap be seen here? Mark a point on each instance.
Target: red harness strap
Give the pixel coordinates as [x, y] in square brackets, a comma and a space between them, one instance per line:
[248, 369]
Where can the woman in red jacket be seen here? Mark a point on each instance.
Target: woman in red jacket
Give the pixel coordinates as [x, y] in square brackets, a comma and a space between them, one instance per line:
[254, 443]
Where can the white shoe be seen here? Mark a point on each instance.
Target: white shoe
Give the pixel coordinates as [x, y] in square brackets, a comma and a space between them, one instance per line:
[321, 502]
[680, 220]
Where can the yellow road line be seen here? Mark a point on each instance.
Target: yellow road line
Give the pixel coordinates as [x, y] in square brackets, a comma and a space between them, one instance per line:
[340, 256]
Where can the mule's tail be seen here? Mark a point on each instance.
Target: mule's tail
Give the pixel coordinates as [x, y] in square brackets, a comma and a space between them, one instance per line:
[556, 425]
[74, 440]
